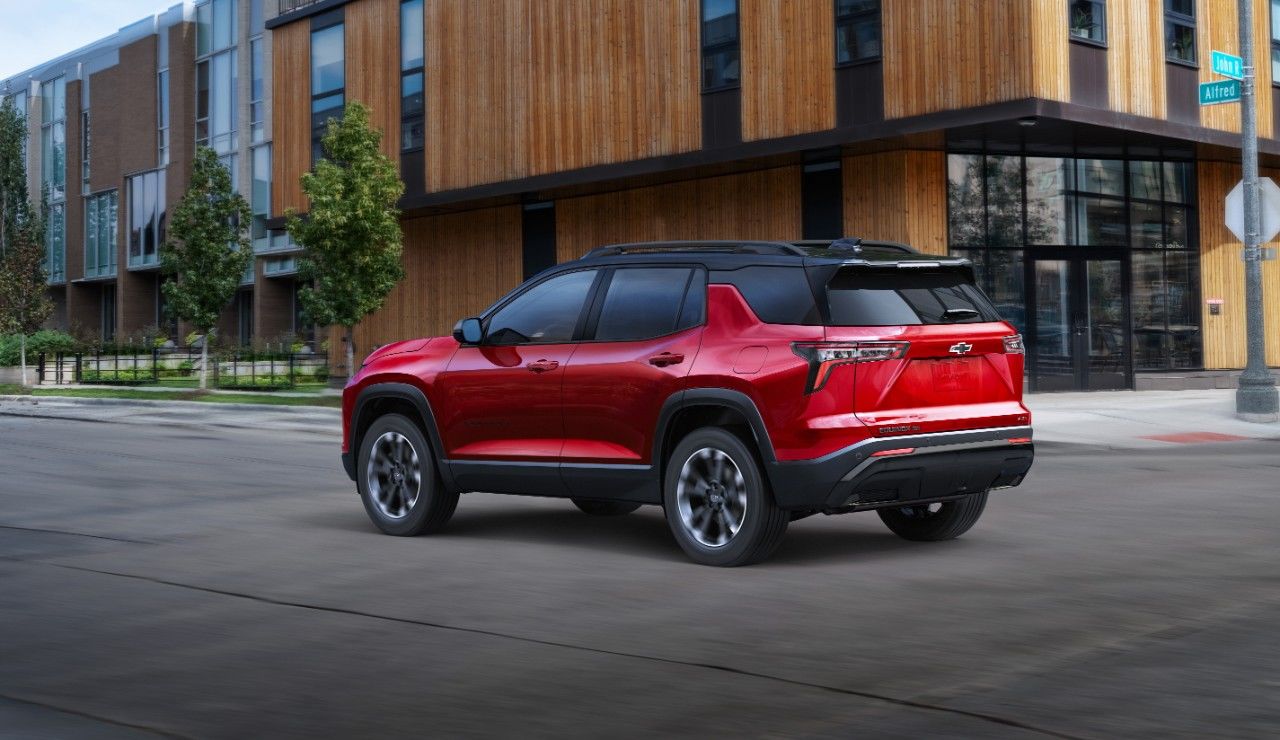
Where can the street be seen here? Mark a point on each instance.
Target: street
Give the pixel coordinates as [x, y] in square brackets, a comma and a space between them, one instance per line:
[210, 581]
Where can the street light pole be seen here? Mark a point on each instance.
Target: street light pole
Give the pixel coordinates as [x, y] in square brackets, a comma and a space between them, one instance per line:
[1256, 396]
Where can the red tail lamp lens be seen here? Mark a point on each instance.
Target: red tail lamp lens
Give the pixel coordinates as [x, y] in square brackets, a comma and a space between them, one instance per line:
[823, 357]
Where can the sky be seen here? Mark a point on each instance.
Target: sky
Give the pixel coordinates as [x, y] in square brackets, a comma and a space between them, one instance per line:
[35, 31]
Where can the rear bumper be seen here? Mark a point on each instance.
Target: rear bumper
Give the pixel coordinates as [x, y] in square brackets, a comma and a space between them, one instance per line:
[937, 467]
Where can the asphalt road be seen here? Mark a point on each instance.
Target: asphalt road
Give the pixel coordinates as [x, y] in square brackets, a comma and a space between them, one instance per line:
[214, 582]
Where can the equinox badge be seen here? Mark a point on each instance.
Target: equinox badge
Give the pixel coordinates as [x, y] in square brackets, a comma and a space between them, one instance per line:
[960, 348]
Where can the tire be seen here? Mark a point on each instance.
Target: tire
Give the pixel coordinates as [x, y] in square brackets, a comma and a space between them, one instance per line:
[595, 507]
[403, 471]
[701, 514]
[936, 522]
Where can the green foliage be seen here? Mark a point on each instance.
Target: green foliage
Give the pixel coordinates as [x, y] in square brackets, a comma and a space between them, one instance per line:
[24, 299]
[45, 340]
[352, 233]
[15, 208]
[129, 375]
[263, 381]
[208, 250]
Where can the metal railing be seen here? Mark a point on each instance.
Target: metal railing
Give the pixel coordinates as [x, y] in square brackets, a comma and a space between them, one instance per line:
[288, 6]
[180, 367]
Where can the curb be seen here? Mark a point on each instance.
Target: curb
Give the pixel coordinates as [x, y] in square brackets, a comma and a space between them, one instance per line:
[182, 405]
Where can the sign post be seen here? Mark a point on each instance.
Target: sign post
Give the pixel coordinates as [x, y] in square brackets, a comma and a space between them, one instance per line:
[1256, 395]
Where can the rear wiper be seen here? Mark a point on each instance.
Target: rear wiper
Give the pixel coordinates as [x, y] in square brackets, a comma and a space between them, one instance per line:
[958, 314]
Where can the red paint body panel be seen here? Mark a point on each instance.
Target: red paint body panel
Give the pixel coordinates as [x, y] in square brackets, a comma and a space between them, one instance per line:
[613, 395]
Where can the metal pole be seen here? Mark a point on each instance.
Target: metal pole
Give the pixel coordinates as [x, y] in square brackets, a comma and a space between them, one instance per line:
[1256, 397]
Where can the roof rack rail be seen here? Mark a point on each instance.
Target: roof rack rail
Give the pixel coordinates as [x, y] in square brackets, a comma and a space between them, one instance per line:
[730, 247]
[855, 242]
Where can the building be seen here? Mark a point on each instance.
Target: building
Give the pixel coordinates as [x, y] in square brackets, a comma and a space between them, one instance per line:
[113, 129]
[1058, 143]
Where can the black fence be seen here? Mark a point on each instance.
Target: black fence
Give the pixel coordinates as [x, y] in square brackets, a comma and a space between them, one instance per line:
[180, 368]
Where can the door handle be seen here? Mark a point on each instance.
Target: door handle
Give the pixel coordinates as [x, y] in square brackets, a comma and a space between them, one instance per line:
[542, 366]
[665, 359]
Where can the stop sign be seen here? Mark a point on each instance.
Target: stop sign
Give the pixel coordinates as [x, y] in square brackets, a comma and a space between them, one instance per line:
[1268, 203]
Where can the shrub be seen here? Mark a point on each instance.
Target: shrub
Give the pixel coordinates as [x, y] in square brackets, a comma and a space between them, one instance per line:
[123, 375]
[48, 342]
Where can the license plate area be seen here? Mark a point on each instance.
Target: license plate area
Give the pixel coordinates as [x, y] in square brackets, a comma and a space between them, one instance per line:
[952, 375]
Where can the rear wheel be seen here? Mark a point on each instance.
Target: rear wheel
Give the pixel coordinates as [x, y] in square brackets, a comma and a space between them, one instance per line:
[718, 503]
[398, 481]
[595, 507]
[935, 522]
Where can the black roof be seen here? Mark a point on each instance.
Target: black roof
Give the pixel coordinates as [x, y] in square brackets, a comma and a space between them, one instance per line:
[731, 254]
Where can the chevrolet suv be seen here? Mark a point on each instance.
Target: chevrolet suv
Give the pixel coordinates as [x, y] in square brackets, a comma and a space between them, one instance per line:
[739, 385]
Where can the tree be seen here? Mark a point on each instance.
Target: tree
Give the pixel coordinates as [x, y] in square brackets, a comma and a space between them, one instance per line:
[24, 297]
[208, 250]
[352, 234]
[15, 207]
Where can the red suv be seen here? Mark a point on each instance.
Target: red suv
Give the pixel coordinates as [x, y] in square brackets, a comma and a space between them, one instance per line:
[739, 385]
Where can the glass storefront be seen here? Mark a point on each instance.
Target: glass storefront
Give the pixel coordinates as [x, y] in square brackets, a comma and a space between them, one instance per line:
[1094, 260]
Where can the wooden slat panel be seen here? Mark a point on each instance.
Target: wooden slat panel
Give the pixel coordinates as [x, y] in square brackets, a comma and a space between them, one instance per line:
[1218, 27]
[898, 196]
[1050, 50]
[1135, 57]
[1222, 275]
[962, 70]
[525, 87]
[753, 205]
[373, 66]
[291, 115]
[788, 56]
[456, 265]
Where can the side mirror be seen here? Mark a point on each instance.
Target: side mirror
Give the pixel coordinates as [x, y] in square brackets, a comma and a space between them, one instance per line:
[468, 331]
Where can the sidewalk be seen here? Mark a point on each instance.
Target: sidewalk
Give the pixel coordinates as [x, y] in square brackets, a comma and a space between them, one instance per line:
[289, 419]
[1141, 420]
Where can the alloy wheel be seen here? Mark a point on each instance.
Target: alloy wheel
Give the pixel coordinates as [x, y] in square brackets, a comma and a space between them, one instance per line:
[711, 496]
[393, 475]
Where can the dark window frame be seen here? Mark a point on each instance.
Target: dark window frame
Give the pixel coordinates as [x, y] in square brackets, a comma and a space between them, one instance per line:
[1173, 18]
[320, 24]
[1098, 5]
[407, 120]
[853, 19]
[691, 280]
[707, 50]
[593, 291]
[1275, 42]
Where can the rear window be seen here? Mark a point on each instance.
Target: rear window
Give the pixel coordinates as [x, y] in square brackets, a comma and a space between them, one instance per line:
[906, 296]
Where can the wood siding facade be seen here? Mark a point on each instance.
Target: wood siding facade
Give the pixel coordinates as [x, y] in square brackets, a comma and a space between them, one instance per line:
[787, 76]
[898, 196]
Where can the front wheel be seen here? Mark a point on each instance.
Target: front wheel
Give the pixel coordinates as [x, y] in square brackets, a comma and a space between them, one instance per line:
[718, 503]
[398, 481]
[934, 522]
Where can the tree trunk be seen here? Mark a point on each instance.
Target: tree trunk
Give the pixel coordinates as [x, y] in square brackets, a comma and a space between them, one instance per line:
[23, 343]
[204, 361]
[351, 353]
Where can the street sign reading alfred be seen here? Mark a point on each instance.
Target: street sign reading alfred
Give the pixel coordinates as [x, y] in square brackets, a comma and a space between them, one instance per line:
[1268, 205]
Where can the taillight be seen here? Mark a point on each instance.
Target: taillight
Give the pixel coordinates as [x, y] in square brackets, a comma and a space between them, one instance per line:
[823, 357]
[1013, 345]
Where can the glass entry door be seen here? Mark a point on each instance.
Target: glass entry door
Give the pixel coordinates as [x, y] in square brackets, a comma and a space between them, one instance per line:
[1079, 337]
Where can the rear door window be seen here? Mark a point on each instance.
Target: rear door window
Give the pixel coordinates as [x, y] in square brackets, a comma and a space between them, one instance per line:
[642, 303]
[906, 296]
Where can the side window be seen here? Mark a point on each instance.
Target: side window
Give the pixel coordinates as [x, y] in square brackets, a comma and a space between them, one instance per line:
[642, 303]
[545, 314]
[778, 295]
[694, 311]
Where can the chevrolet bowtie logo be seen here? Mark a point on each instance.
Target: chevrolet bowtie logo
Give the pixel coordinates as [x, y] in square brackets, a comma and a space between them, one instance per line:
[960, 348]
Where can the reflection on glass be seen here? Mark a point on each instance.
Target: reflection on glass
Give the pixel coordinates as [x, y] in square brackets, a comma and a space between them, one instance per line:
[1046, 200]
[1004, 201]
[964, 200]
[1052, 346]
[1108, 355]
[1147, 222]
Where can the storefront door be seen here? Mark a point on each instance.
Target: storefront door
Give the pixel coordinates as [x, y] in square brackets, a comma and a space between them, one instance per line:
[1078, 323]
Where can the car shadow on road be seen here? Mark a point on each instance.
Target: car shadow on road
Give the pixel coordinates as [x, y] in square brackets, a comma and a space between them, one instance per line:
[644, 533]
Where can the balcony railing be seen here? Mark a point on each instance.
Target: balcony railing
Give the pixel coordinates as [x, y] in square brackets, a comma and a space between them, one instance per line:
[288, 6]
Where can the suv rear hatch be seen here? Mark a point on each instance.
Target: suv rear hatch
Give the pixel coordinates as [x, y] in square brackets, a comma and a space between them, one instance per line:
[939, 357]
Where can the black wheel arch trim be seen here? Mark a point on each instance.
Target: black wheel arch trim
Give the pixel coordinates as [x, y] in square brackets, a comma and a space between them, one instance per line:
[404, 392]
[724, 398]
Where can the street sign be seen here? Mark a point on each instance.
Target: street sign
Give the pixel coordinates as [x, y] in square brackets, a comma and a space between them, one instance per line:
[1268, 204]
[1227, 65]
[1222, 91]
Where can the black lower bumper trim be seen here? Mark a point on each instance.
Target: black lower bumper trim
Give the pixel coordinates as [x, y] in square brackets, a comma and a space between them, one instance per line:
[938, 467]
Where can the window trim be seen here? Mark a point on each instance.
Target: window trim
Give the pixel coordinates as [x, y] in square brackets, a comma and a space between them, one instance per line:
[1188, 21]
[318, 132]
[406, 119]
[91, 201]
[704, 49]
[488, 315]
[1076, 39]
[835, 40]
[1274, 46]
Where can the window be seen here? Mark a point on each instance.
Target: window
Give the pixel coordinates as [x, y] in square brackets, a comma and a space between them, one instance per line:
[777, 295]
[905, 298]
[547, 313]
[721, 50]
[1275, 42]
[162, 124]
[55, 239]
[19, 100]
[100, 222]
[1180, 31]
[53, 168]
[85, 148]
[216, 75]
[857, 30]
[1088, 20]
[412, 105]
[257, 129]
[328, 82]
[260, 198]
[146, 218]
[642, 303]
